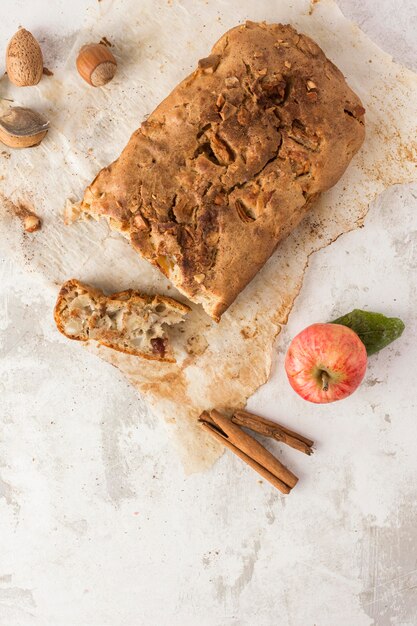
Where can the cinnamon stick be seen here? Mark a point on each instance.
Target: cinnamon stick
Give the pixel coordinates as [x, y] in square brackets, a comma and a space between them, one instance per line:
[251, 448]
[276, 482]
[271, 429]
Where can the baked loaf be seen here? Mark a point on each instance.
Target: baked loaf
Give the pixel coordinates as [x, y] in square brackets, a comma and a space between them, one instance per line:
[229, 163]
[128, 321]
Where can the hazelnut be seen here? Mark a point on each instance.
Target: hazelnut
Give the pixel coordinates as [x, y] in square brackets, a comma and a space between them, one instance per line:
[96, 64]
[24, 61]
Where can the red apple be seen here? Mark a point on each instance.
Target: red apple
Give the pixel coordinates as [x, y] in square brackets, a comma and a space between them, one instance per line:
[325, 362]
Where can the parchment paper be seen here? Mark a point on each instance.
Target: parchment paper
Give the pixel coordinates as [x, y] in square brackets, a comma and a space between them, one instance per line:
[157, 43]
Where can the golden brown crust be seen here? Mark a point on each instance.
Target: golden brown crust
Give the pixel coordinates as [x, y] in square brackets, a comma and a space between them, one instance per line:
[229, 163]
[127, 300]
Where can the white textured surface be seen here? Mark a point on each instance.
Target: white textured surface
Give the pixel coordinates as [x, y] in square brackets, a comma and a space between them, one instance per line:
[98, 524]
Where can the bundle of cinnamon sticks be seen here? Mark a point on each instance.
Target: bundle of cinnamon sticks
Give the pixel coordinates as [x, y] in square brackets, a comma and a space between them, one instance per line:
[228, 431]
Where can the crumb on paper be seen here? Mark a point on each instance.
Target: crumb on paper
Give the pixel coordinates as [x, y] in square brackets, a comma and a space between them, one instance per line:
[312, 3]
[72, 212]
[196, 345]
[248, 333]
[32, 223]
[47, 72]
[24, 211]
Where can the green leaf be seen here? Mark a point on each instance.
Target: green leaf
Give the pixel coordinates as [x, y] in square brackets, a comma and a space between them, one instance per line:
[374, 329]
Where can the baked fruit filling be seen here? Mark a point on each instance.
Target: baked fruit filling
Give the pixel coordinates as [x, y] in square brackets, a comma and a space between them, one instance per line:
[128, 321]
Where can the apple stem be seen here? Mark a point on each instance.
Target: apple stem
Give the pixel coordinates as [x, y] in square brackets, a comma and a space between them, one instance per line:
[325, 380]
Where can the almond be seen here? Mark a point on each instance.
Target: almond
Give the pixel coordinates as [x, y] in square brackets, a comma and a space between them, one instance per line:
[22, 128]
[24, 61]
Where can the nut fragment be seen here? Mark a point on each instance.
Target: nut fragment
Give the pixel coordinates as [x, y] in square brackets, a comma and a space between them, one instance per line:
[96, 64]
[22, 128]
[23, 210]
[24, 62]
[244, 213]
[220, 101]
[227, 111]
[31, 223]
[231, 81]
[243, 117]
[209, 64]
[140, 222]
